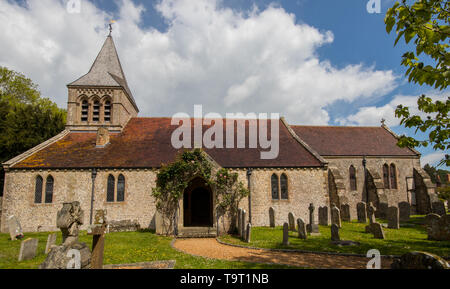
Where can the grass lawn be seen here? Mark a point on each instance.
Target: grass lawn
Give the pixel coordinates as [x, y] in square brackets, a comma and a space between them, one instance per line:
[120, 248]
[411, 236]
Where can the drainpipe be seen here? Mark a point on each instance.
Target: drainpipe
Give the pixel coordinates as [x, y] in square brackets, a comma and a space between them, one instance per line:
[249, 175]
[364, 162]
[93, 176]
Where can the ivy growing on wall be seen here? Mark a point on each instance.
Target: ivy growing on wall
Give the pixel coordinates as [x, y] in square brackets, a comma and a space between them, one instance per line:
[173, 179]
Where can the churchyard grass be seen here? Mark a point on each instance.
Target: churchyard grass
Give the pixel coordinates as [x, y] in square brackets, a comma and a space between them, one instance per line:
[122, 248]
[411, 236]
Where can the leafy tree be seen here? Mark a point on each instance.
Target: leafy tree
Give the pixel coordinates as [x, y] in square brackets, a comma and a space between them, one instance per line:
[425, 21]
[26, 119]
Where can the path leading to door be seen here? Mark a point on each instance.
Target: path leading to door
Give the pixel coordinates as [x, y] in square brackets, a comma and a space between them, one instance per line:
[210, 248]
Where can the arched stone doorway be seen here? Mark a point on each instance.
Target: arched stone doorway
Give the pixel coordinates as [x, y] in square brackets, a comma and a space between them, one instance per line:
[198, 204]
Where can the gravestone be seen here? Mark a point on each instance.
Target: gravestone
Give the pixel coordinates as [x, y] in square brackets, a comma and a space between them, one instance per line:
[15, 229]
[438, 208]
[323, 216]
[291, 220]
[335, 233]
[362, 212]
[393, 218]
[285, 234]
[371, 213]
[301, 229]
[272, 217]
[377, 230]
[345, 213]
[404, 211]
[438, 228]
[68, 220]
[336, 216]
[312, 227]
[239, 219]
[28, 249]
[98, 231]
[382, 210]
[248, 233]
[243, 223]
[51, 241]
[420, 261]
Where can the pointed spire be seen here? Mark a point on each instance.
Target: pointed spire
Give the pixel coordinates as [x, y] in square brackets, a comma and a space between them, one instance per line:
[106, 71]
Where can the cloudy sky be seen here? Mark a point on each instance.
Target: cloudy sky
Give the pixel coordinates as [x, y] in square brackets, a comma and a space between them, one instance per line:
[317, 62]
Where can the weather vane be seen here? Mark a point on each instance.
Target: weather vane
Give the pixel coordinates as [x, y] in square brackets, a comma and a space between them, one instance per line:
[110, 26]
[383, 121]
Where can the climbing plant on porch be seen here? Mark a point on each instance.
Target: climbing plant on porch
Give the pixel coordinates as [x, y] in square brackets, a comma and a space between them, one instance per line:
[173, 179]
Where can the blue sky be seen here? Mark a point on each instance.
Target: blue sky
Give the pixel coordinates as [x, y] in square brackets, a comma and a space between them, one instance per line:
[359, 43]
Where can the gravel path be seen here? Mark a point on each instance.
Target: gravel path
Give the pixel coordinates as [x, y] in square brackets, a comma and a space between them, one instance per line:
[210, 248]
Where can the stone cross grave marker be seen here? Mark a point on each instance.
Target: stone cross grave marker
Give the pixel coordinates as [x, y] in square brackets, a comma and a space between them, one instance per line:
[28, 249]
[98, 231]
[312, 227]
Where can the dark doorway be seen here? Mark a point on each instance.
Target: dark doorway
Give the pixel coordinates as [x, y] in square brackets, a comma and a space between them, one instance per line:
[197, 205]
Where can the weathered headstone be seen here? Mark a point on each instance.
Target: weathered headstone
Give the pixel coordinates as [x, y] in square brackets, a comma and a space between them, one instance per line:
[336, 216]
[377, 230]
[69, 219]
[420, 261]
[362, 212]
[382, 210]
[335, 233]
[272, 217]
[393, 218]
[248, 233]
[438, 208]
[15, 229]
[301, 229]
[51, 241]
[312, 227]
[239, 219]
[323, 216]
[345, 213]
[291, 220]
[404, 211]
[28, 249]
[285, 234]
[438, 228]
[243, 223]
[371, 213]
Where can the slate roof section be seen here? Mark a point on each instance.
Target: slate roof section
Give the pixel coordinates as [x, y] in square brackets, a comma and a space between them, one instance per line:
[146, 143]
[106, 71]
[351, 141]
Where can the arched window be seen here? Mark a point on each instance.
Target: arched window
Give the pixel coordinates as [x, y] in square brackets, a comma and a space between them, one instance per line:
[107, 111]
[393, 176]
[49, 190]
[121, 188]
[110, 189]
[38, 190]
[352, 173]
[84, 110]
[284, 187]
[275, 193]
[386, 176]
[96, 112]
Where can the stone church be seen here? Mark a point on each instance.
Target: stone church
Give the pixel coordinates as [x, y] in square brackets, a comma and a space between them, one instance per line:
[108, 158]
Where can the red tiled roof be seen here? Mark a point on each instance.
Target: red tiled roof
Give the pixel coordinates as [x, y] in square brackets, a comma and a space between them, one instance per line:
[146, 143]
[351, 141]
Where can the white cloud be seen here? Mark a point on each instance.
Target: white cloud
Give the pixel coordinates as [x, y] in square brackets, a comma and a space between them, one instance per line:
[432, 159]
[229, 61]
[372, 115]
